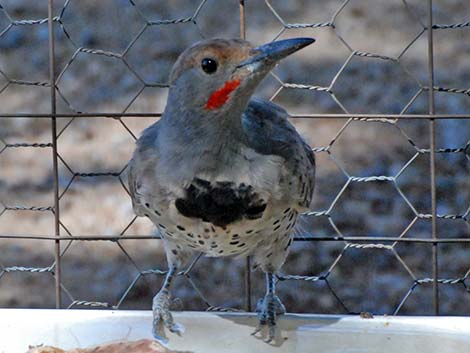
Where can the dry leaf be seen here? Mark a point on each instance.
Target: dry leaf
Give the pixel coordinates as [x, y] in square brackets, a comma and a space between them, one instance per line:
[141, 346]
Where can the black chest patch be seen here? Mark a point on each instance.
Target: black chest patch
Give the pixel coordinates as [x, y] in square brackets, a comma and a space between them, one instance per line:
[220, 203]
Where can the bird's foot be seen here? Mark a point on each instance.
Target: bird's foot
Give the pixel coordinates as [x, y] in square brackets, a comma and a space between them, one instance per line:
[268, 308]
[162, 317]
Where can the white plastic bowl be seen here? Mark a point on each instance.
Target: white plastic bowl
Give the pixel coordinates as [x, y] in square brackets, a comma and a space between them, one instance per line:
[231, 332]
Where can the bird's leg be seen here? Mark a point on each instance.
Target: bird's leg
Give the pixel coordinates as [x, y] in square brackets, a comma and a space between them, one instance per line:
[269, 307]
[161, 309]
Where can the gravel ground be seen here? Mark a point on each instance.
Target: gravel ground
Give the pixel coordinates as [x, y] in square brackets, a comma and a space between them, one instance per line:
[363, 279]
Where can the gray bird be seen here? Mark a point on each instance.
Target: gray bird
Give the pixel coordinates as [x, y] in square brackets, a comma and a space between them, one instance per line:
[223, 173]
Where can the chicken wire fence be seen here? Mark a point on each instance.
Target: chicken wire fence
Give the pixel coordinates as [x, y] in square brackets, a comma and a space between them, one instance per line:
[348, 249]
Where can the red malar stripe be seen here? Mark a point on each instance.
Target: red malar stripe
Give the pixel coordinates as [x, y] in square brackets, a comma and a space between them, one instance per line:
[219, 97]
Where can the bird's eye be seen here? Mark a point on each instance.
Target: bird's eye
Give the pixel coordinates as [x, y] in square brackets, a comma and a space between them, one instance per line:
[209, 65]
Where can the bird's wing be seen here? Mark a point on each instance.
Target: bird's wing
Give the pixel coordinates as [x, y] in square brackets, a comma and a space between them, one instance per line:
[142, 169]
[269, 132]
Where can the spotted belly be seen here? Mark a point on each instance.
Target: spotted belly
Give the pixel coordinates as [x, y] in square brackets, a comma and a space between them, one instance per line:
[221, 218]
[234, 239]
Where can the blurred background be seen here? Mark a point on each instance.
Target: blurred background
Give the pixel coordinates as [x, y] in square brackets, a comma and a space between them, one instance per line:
[115, 56]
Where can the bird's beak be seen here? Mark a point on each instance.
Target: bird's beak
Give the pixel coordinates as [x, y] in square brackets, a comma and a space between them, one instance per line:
[269, 54]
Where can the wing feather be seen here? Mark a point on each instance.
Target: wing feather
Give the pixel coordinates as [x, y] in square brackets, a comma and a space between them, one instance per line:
[142, 169]
[269, 132]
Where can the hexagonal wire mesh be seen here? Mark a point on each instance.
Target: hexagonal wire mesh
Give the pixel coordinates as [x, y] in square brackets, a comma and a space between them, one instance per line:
[342, 240]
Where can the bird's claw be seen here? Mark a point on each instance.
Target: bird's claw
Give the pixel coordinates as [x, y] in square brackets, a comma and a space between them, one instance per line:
[162, 318]
[271, 330]
[268, 308]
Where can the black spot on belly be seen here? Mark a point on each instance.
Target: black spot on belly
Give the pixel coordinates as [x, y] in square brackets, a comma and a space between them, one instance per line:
[220, 203]
[288, 244]
[255, 211]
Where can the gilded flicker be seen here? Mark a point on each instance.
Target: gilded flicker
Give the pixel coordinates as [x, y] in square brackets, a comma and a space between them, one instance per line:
[221, 172]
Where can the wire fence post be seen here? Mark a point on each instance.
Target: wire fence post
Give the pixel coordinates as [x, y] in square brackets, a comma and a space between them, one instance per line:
[54, 154]
[432, 132]
[432, 111]
[248, 259]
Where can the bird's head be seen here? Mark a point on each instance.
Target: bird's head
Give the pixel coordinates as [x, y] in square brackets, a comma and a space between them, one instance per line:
[212, 76]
